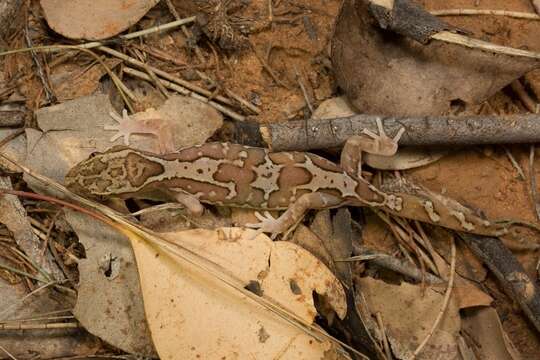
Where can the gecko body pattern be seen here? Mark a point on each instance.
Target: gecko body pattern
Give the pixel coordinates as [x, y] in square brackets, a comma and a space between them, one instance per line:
[234, 175]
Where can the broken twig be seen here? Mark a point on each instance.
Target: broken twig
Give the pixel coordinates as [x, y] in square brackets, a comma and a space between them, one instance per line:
[419, 131]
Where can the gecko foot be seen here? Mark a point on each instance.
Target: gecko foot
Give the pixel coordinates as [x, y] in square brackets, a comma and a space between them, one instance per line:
[383, 144]
[267, 224]
[123, 128]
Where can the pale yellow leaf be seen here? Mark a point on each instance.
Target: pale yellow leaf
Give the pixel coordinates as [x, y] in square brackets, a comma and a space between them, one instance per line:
[193, 315]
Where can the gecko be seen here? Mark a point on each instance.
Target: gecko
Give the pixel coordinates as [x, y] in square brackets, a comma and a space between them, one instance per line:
[234, 175]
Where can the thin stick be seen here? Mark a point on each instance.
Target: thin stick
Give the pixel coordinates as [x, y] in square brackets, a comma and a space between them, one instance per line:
[181, 90]
[49, 93]
[525, 99]
[514, 14]
[514, 163]
[386, 346]
[7, 353]
[20, 301]
[466, 41]
[62, 325]
[11, 137]
[243, 102]
[445, 303]
[304, 91]
[267, 67]
[185, 30]
[164, 74]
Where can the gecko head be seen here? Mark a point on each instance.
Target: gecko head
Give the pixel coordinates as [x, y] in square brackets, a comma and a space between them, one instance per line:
[115, 172]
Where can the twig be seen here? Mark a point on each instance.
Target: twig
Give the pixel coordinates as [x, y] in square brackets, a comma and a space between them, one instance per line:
[304, 92]
[164, 74]
[445, 303]
[509, 272]
[532, 174]
[7, 353]
[514, 163]
[525, 99]
[62, 325]
[243, 102]
[389, 262]
[313, 134]
[514, 14]
[185, 30]
[49, 93]
[185, 92]
[462, 40]
[384, 339]
[21, 300]
[267, 67]
[11, 137]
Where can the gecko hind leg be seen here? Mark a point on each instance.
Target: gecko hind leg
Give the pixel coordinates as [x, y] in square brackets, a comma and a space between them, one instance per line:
[293, 214]
[371, 143]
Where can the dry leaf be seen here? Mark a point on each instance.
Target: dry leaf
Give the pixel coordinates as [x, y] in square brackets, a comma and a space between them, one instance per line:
[109, 303]
[483, 325]
[398, 76]
[408, 312]
[94, 19]
[192, 315]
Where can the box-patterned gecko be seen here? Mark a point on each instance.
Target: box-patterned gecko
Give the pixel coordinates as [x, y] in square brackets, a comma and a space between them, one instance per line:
[241, 176]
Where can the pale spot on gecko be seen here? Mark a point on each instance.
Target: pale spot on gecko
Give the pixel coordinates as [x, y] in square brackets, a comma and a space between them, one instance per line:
[430, 210]
[463, 221]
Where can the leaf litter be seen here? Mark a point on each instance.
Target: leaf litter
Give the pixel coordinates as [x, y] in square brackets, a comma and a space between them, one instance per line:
[180, 302]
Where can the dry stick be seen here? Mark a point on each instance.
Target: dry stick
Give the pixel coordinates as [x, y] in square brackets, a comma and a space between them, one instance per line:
[164, 74]
[185, 30]
[21, 300]
[51, 97]
[514, 163]
[302, 135]
[445, 303]
[267, 67]
[389, 262]
[462, 40]
[243, 102]
[7, 353]
[532, 174]
[525, 99]
[11, 137]
[234, 115]
[514, 14]
[155, 81]
[382, 329]
[513, 279]
[304, 92]
[64, 325]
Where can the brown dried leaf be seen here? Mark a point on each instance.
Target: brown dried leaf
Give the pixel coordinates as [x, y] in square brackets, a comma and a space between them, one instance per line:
[383, 73]
[190, 314]
[94, 19]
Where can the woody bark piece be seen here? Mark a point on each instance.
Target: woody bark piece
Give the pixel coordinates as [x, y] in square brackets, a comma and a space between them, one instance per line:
[511, 275]
[303, 135]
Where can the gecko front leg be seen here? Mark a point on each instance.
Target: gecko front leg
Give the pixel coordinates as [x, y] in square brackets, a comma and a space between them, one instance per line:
[294, 213]
[149, 122]
[371, 143]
